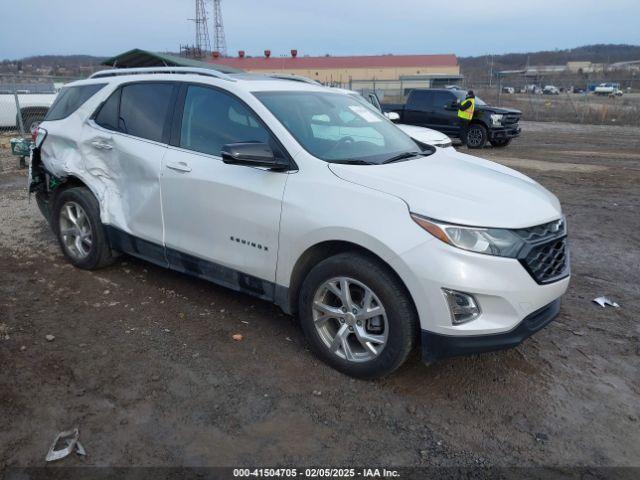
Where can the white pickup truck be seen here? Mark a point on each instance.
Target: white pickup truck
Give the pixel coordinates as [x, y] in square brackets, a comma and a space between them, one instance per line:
[610, 89]
[33, 106]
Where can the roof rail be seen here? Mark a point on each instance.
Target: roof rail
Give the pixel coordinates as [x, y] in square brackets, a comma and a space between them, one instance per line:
[157, 70]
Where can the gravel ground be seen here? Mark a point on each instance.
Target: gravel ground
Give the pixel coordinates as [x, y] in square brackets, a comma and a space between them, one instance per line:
[144, 362]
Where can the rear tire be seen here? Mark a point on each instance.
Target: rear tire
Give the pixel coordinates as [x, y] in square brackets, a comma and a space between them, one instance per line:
[76, 222]
[500, 143]
[476, 136]
[379, 329]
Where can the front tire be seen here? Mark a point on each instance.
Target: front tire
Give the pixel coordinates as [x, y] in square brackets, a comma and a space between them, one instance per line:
[76, 222]
[357, 316]
[476, 136]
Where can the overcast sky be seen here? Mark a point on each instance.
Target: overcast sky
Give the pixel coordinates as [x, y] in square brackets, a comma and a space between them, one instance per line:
[337, 27]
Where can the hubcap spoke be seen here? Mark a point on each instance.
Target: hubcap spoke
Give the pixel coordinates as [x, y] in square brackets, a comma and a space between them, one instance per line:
[342, 311]
[75, 230]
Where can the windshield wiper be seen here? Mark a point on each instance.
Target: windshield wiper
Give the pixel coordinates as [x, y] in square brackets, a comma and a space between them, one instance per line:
[352, 161]
[403, 156]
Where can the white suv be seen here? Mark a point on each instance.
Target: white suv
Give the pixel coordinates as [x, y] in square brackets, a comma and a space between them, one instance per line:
[300, 195]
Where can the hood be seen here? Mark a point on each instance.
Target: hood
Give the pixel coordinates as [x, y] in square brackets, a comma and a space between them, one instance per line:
[458, 188]
[424, 135]
[491, 109]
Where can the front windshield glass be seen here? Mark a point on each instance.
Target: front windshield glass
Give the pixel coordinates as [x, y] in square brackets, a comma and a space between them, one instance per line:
[338, 128]
[461, 95]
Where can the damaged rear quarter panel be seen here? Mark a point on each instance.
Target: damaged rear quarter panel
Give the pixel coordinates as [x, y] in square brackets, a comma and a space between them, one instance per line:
[125, 179]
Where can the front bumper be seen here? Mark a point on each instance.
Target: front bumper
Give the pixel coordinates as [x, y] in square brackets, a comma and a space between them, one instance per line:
[505, 132]
[435, 347]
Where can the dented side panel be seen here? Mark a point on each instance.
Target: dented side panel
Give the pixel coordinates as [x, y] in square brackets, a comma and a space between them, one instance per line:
[122, 171]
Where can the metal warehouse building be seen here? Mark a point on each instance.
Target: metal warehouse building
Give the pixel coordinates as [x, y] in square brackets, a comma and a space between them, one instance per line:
[343, 70]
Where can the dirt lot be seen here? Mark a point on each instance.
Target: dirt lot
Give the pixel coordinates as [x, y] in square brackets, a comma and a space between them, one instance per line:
[143, 360]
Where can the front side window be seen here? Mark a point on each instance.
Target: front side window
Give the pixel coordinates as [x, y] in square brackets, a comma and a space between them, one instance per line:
[336, 127]
[212, 119]
[71, 99]
[443, 99]
[421, 99]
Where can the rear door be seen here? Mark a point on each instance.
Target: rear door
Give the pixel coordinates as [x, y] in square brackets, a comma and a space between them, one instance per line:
[127, 142]
[221, 220]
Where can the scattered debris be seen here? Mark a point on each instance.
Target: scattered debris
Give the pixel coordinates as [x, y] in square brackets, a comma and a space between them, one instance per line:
[49, 338]
[541, 437]
[604, 301]
[317, 393]
[4, 331]
[237, 337]
[23, 348]
[70, 441]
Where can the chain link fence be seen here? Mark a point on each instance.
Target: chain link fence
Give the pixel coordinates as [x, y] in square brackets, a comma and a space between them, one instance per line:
[25, 100]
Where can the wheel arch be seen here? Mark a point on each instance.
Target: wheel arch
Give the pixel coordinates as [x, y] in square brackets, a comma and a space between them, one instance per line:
[287, 298]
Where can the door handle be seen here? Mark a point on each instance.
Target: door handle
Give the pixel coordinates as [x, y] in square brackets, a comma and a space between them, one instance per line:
[101, 145]
[179, 166]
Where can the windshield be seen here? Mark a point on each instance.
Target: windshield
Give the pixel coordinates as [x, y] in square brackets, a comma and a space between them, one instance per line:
[338, 128]
[461, 95]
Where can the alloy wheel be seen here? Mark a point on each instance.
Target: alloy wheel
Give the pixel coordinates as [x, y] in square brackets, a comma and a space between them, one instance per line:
[350, 319]
[75, 230]
[474, 137]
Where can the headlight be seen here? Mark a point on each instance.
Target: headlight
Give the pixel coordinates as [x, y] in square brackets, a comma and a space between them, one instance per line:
[496, 119]
[490, 241]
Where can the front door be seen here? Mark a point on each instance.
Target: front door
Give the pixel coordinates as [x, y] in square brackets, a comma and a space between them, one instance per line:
[221, 221]
[445, 112]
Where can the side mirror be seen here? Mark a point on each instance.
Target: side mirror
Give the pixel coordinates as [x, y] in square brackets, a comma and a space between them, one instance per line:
[393, 116]
[454, 105]
[252, 154]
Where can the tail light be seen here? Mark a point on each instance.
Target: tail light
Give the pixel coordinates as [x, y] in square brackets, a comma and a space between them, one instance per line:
[38, 136]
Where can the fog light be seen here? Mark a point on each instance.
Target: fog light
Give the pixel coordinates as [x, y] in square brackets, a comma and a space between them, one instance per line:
[463, 306]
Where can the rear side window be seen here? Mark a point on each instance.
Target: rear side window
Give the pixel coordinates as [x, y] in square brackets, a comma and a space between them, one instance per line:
[144, 108]
[138, 109]
[212, 119]
[108, 115]
[71, 99]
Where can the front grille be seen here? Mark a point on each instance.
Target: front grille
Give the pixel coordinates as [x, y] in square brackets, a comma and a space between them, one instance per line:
[510, 118]
[549, 261]
[546, 252]
[542, 232]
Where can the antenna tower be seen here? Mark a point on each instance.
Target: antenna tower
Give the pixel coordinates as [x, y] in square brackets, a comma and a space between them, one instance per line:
[203, 44]
[219, 40]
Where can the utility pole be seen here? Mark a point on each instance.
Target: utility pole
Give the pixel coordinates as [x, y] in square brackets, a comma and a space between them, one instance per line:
[491, 71]
[219, 40]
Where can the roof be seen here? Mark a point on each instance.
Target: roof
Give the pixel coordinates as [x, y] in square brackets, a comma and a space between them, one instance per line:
[141, 58]
[310, 63]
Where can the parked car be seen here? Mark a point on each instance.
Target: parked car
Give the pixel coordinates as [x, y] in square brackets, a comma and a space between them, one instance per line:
[438, 109]
[551, 90]
[508, 90]
[33, 107]
[424, 135]
[302, 196]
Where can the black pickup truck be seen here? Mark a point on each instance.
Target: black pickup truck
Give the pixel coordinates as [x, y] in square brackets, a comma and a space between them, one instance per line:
[438, 109]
